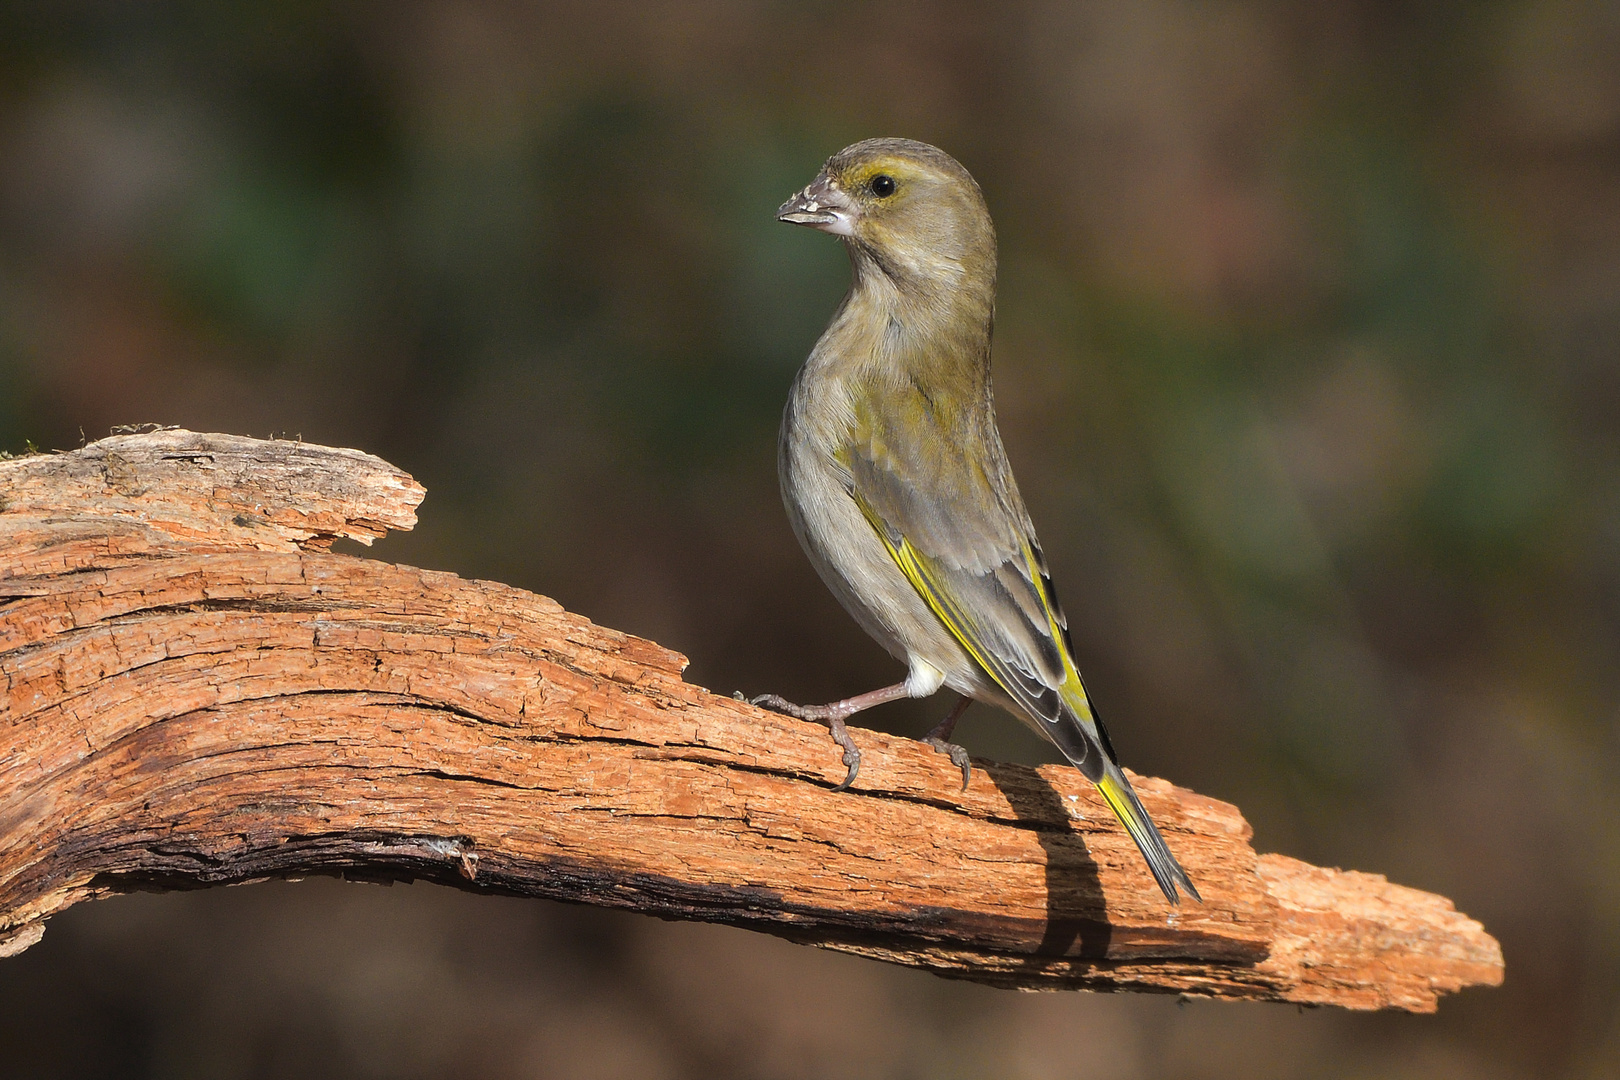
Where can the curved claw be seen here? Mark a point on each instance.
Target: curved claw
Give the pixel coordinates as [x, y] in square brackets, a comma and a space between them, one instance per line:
[852, 753]
[820, 714]
[957, 754]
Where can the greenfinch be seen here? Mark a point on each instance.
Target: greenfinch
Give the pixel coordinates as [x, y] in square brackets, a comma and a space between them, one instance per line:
[897, 484]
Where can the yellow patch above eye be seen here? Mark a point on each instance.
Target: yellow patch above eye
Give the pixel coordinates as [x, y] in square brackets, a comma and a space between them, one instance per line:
[860, 178]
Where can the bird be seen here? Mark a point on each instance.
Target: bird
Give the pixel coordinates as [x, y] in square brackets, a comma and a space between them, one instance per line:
[898, 487]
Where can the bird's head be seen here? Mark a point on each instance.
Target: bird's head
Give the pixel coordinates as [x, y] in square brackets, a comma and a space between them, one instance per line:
[907, 206]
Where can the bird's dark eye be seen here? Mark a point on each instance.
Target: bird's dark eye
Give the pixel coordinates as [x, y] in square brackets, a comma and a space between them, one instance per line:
[882, 185]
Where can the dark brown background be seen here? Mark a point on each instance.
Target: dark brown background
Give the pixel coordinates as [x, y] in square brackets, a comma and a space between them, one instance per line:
[1308, 359]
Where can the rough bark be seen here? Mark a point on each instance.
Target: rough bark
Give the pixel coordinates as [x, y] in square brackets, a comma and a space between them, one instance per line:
[195, 692]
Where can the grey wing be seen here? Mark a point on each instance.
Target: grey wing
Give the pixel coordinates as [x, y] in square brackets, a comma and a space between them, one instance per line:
[965, 541]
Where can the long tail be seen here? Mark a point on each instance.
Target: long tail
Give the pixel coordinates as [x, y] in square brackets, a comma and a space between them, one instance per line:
[1123, 801]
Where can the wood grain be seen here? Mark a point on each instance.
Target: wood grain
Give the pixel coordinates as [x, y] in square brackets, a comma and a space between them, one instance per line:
[195, 692]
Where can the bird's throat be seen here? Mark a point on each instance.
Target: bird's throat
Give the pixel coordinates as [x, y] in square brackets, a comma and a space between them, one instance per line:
[934, 319]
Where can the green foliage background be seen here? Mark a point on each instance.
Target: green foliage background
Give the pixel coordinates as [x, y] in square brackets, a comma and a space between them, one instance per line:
[1308, 357]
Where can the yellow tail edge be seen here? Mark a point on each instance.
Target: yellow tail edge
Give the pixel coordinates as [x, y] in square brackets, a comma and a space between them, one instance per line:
[1122, 800]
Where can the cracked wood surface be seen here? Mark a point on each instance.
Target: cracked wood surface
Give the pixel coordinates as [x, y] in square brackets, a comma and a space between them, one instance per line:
[196, 692]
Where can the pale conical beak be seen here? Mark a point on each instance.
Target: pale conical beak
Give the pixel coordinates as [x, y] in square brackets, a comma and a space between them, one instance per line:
[822, 205]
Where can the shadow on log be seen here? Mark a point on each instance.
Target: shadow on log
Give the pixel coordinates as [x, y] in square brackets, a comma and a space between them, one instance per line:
[196, 692]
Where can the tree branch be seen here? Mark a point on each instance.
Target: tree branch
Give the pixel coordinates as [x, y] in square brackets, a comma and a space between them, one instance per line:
[197, 693]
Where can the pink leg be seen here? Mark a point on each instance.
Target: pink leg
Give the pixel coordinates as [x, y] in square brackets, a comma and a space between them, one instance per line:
[834, 715]
[937, 738]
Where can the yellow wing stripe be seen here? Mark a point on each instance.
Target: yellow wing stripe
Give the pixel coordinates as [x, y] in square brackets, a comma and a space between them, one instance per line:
[911, 564]
[1073, 689]
[1113, 786]
[906, 557]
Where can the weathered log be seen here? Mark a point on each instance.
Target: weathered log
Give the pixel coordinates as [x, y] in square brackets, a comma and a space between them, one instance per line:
[196, 692]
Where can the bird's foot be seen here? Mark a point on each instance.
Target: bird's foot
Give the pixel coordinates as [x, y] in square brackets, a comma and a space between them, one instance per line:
[940, 735]
[782, 705]
[830, 715]
[957, 754]
[852, 754]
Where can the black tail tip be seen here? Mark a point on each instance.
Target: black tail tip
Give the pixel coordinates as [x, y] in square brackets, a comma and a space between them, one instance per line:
[1174, 884]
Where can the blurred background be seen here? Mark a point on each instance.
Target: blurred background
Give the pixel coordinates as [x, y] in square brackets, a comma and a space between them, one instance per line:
[1308, 359]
